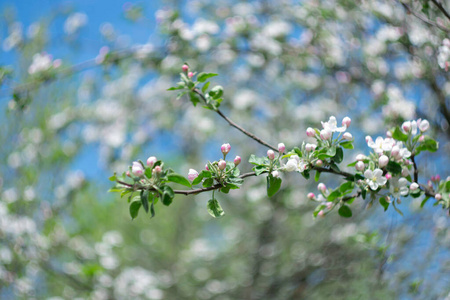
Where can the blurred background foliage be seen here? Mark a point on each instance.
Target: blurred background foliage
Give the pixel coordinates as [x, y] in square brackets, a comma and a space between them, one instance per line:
[284, 65]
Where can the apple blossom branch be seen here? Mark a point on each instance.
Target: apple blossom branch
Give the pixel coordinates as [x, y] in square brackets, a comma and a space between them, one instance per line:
[423, 19]
[441, 8]
[233, 124]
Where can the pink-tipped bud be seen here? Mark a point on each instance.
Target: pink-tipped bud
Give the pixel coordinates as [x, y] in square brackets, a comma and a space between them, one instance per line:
[271, 154]
[422, 138]
[321, 214]
[128, 174]
[438, 197]
[395, 151]
[360, 157]
[281, 148]
[414, 186]
[360, 166]
[347, 136]
[368, 139]
[388, 134]
[346, 122]
[151, 161]
[383, 161]
[311, 196]
[388, 176]
[310, 132]
[429, 183]
[225, 148]
[325, 134]
[185, 68]
[190, 74]
[237, 160]
[319, 163]
[308, 147]
[438, 178]
[406, 126]
[137, 169]
[424, 125]
[206, 167]
[329, 205]
[222, 164]
[157, 170]
[192, 174]
[321, 187]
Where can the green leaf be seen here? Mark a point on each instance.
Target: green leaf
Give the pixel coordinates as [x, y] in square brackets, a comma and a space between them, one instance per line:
[363, 193]
[384, 203]
[216, 92]
[427, 145]
[256, 160]
[225, 189]
[334, 166]
[148, 173]
[115, 190]
[144, 200]
[205, 87]
[167, 196]
[317, 176]
[134, 208]
[178, 87]
[236, 181]
[194, 98]
[202, 77]
[273, 185]
[152, 206]
[177, 178]
[201, 175]
[347, 145]
[394, 167]
[345, 211]
[113, 178]
[334, 194]
[298, 151]
[346, 187]
[259, 170]
[339, 155]
[331, 151]
[214, 208]
[181, 94]
[352, 164]
[208, 182]
[399, 135]
[305, 174]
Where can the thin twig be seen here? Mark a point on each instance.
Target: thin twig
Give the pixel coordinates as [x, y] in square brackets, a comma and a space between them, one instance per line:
[247, 133]
[416, 171]
[423, 19]
[441, 8]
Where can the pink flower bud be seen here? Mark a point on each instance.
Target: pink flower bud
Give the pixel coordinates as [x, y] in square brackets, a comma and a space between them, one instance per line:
[308, 147]
[137, 169]
[429, 183]
[368, 139]
[190, 74]
[347, 136]
[222, 164]
[360, 166]
[414, 186]
[438, 197]
[206, 167]
[321, 214]
[185, 68]
[310, 132]
[281, 148]
[422, 138]
[157, 170]
[406, 126]
[237, 160]
[329, 205]
[424, 125]
[383, 161]
[360, 157]
[319, 163]
[325, 134]
[271, 154]
[128, 174]
[388, 176]
[395, 151]
[438, 178]
[151, 161]
[321, 187]
[311, 196]
[225, 148]
[192, 174]
[346, 122]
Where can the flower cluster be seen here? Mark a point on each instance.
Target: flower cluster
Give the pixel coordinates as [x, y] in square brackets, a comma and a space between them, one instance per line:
[42, 63]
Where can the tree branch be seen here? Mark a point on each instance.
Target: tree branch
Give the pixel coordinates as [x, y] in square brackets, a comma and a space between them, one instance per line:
[423, 19]
[247, 133]
[441, 8]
